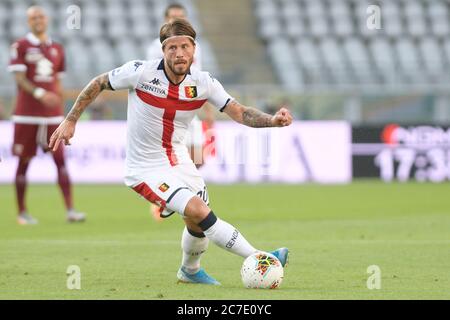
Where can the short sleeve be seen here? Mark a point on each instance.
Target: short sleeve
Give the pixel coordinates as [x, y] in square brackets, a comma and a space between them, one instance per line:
[17, 58]
[126, 76]
[217, 96]
[60, 71]
[62, 64]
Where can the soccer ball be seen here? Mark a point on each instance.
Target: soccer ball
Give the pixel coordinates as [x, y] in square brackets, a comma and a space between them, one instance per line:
[262, 270]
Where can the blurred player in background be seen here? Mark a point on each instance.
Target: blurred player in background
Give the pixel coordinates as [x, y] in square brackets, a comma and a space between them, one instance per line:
[37, 63]
[163, 96]
[194, 138]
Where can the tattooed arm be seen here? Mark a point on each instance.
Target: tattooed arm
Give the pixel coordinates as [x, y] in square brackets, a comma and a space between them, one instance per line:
[255, 118]
[66, 129]
[88, 95]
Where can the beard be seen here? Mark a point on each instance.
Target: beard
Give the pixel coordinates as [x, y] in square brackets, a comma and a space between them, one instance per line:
[180, 69]
[39, 29]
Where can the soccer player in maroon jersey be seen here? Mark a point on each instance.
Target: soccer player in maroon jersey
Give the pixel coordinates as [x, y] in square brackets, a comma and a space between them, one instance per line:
[37, 63]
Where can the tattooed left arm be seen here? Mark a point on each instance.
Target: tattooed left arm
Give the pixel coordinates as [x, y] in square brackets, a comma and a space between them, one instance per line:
[255, 118]
[88, 95]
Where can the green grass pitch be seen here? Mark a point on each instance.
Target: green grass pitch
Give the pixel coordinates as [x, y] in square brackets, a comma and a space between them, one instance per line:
[334, 234]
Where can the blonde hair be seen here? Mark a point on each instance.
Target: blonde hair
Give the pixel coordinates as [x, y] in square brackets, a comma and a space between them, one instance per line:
[177, 27]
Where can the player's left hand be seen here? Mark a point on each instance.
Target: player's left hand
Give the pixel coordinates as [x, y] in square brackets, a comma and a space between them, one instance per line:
[282, 118]
[64, 132]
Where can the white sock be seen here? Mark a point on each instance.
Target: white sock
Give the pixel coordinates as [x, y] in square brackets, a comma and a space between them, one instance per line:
[229, 238]
[193, 248]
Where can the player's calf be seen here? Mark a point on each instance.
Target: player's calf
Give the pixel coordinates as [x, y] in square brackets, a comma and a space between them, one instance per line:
[220, 232]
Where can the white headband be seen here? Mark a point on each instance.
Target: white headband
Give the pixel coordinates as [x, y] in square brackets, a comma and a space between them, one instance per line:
[173, 37]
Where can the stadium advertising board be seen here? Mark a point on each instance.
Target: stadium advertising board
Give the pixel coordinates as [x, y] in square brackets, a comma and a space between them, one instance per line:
[304, 152]
[402, 152]
[310, 151]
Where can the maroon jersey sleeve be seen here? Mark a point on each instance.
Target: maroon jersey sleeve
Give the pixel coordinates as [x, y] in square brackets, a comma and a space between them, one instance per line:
[62, 64]
[17, 57]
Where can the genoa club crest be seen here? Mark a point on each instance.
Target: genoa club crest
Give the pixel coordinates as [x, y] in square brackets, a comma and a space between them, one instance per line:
[190, 91]
[164, 187]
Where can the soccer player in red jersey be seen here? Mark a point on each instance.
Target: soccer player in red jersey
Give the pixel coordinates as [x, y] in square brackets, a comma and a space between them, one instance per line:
[37, 63]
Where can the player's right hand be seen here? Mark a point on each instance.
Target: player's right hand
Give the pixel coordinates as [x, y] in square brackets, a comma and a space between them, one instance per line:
[64, 132]
[282, 118]
[50, 99]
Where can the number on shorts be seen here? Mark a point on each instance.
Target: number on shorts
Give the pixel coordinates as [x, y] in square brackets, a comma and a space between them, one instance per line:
[203, 194]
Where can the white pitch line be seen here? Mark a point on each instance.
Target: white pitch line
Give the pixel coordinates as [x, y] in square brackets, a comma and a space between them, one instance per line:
[172, 242]
[88, 242]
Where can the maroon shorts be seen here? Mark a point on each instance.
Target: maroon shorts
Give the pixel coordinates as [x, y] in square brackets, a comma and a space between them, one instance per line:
[27, 137]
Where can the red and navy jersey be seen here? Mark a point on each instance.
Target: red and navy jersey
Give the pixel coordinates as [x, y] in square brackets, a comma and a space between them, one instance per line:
[42, 63]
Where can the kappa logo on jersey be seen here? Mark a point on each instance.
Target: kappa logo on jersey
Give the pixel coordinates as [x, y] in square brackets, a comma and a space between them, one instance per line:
[33, 55]
[156, 82]
[137, 64]
[190, 92]
[164, 187]
[152, 88]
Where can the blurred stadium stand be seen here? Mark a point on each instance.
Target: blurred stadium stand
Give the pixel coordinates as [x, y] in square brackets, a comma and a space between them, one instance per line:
[112, 32]
[334, 48]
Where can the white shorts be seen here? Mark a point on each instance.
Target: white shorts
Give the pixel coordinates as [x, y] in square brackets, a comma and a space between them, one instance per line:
[171, 188]
[194, 135]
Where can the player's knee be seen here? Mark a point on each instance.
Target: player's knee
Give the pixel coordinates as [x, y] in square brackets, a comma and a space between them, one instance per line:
[24, 160]
[22, 167]
[191, 225]
[196, 210]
